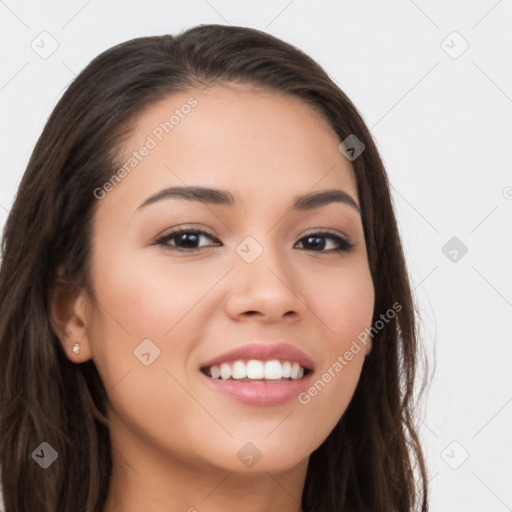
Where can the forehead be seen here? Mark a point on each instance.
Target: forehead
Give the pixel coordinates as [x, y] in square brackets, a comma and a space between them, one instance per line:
[262, 145]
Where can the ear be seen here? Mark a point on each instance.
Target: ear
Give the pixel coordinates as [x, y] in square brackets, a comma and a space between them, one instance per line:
[69, 306]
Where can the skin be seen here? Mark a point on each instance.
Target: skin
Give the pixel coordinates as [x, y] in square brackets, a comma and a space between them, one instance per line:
[175, 440]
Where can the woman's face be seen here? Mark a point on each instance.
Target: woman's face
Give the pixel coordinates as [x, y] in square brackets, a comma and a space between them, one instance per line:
[263, 273]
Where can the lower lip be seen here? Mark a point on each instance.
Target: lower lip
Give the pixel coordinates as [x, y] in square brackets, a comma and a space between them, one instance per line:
[260, 393]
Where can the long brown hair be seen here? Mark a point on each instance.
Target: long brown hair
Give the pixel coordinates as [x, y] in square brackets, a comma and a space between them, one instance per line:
[372, 460]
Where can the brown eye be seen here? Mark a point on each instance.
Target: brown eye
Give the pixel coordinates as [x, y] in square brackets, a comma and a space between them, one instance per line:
[187, 240]
[184, 239]
[317, 242]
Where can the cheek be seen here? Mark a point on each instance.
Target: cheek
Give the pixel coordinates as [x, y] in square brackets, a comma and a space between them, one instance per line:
[345, 307]
[344, 304]
[142, 298]
[147, 296]
[140, 342]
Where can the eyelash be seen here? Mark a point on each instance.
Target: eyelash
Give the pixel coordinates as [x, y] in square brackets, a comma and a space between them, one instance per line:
[344, 244]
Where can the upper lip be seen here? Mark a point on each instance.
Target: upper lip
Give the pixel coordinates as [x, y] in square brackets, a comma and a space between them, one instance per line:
[263, 352]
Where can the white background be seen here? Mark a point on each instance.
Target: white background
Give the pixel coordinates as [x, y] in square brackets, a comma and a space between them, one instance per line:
[442, 121]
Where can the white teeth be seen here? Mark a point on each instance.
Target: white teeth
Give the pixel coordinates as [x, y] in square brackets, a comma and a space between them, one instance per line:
[239, 370]
[255, 369]
[215, 371]
[225, 371]
[273, 370]
[287, 370]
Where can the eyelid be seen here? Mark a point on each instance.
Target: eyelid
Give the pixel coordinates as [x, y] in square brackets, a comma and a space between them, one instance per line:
[315, 231]
[180, 228]
[175, 230]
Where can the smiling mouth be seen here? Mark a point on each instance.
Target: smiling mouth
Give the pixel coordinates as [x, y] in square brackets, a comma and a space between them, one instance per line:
[254, 370]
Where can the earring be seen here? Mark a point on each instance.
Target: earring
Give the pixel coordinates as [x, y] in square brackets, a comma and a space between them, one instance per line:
[76, 348]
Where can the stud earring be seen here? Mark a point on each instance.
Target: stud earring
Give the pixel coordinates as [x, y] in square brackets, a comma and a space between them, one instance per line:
[76, 348]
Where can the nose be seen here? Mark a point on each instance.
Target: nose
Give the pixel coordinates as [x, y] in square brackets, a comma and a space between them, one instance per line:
[267, 289]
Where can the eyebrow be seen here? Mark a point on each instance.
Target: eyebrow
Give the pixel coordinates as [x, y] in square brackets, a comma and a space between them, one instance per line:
[220, 197]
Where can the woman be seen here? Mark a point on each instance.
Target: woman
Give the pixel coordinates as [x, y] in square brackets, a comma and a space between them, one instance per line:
[270, 367]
